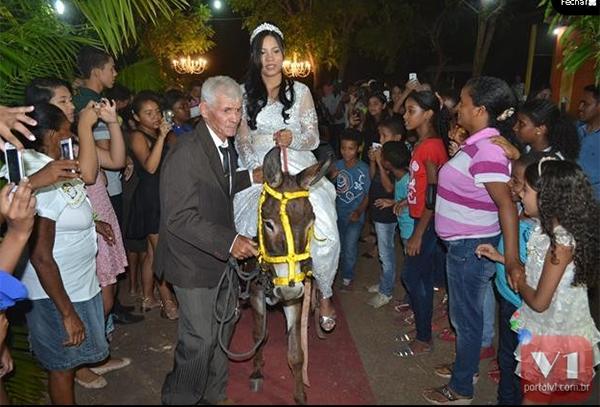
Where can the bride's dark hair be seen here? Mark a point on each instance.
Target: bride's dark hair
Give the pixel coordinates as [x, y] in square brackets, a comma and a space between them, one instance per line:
[256, 91]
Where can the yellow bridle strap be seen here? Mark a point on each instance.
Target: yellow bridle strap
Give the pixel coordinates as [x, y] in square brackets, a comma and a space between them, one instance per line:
[292, 257]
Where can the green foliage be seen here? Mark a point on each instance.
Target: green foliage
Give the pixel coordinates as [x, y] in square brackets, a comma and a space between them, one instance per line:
[116, 21]
[141, 75]
[580, 40]
[27, 384]
[35, 42]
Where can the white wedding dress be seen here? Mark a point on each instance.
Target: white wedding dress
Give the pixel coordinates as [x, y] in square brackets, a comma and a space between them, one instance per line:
[253, 145]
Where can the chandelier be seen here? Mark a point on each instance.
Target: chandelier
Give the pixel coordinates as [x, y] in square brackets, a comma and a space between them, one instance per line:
[295, 68]
[188, 65]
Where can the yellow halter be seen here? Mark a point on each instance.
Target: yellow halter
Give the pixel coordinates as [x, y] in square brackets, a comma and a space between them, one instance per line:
[292, 257]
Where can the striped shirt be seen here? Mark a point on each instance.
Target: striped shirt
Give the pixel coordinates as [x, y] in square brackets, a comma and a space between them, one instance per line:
[464, 209]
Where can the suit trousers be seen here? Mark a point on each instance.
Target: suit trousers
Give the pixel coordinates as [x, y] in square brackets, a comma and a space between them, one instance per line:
[200, 372]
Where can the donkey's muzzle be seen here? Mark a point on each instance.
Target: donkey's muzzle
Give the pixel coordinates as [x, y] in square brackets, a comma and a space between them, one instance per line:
[287, 293]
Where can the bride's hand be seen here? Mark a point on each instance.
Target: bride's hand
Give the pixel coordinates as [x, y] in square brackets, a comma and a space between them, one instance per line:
[283, 138]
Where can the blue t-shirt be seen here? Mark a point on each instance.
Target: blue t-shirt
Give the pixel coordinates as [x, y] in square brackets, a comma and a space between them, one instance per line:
[351, 187]
[405, 222]
[182, 129]
[589, 156]
[525, 227]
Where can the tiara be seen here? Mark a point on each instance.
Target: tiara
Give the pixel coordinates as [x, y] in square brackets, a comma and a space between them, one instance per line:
[265, 27]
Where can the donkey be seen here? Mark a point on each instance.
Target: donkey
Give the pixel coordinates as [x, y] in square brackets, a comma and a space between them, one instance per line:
[288, 263]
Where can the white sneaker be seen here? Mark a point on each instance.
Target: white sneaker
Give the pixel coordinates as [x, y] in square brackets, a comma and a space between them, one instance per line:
[373, 288]
[379, 300]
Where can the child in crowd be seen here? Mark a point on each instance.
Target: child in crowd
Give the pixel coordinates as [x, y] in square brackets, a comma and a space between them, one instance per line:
[385, 221]
[352, 181]
[396, 158]
[509, 389]
[563, 256]
[424, 116]
[542, 128]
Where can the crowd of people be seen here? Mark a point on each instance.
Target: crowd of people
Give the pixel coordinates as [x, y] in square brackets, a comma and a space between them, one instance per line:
[495, 199]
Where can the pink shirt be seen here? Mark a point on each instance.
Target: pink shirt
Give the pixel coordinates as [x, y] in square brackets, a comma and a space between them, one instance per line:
[464, 209]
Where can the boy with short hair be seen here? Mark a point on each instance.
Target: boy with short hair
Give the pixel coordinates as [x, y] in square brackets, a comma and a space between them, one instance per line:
[352, 181]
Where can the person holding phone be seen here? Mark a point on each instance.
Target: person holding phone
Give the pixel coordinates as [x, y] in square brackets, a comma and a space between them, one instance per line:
[66, 320]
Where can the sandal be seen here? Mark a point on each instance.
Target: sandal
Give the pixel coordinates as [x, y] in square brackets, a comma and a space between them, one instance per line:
[169, 310]
[444, 395]
[149, 303]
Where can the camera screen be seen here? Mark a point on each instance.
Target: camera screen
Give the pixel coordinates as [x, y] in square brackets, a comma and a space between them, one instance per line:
[66, 149]
[14, 167]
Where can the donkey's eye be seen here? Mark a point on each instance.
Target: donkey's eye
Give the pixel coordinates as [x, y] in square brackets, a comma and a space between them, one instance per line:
[270, 225]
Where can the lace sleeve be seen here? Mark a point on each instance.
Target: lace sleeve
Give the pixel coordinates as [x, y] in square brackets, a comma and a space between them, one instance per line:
[563, 237]
[308, 139]
[244, 147]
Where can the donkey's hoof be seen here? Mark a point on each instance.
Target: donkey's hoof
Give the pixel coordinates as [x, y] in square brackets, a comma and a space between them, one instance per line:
[256, 384]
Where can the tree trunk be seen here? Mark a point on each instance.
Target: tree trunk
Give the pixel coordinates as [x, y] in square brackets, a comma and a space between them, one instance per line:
[486, 26]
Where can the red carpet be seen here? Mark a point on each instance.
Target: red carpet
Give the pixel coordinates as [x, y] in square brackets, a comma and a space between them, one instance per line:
[335, 370]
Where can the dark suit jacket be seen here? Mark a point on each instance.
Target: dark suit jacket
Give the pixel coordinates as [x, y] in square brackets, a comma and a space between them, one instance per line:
[196, 211]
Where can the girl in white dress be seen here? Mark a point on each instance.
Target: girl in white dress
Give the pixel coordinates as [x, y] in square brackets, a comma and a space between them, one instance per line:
[280, 112]
[562, 262]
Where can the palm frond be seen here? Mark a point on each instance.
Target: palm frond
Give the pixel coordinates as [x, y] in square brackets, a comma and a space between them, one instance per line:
[114, 21]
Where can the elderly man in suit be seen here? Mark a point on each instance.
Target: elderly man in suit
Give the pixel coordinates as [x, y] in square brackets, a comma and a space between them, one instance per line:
[197, 236]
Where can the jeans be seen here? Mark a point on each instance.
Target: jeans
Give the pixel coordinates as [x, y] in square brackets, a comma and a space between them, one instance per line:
[489, 317]
[509, 389]
[468, 280]
[349, 235]
[418, 278]
[387, 256]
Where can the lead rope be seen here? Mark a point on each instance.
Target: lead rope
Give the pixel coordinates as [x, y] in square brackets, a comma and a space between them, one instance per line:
[305, 303]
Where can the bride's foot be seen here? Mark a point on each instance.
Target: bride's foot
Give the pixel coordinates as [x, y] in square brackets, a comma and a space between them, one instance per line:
[327, 317]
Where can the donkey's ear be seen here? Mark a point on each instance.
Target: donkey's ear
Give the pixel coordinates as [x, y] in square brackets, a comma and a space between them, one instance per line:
[272, 168]
[311, 175]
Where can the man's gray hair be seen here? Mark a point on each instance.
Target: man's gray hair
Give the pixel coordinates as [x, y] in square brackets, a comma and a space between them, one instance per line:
[223, 85]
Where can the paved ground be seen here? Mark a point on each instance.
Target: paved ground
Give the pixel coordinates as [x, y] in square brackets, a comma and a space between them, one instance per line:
[393, 380]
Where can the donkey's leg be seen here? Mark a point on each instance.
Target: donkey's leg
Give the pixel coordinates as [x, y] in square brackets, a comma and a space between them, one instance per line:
[295, 354]
[257, 301]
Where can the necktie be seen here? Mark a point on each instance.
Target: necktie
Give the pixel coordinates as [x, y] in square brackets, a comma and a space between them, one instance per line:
[225, 152]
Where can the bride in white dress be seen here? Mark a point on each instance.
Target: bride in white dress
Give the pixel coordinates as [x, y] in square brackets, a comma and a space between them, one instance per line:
[273, 102]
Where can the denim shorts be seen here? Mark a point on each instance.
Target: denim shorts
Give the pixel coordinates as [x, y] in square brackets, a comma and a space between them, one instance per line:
[47, 334]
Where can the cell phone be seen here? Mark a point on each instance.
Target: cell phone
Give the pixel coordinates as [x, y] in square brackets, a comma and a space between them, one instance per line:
[412, 76]
[168, 115]
[14, 163]
[195, 111]
[66, 149]
[375, 145]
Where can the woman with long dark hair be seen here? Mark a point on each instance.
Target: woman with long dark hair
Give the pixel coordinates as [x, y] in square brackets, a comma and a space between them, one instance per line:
[280, 112]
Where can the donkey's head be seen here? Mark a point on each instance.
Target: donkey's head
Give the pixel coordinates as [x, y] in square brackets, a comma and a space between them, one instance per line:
[286, 223]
